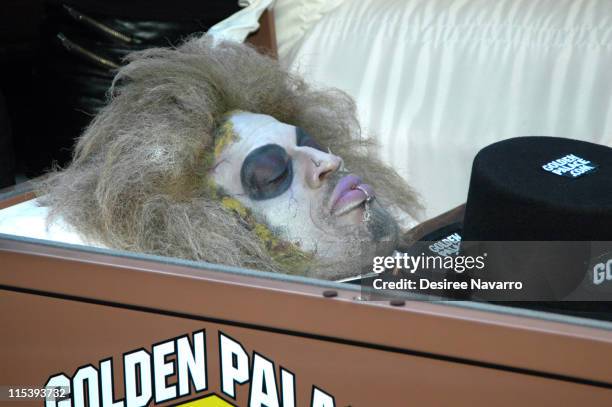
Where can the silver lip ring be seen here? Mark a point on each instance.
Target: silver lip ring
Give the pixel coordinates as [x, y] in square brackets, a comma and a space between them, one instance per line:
[368, 196]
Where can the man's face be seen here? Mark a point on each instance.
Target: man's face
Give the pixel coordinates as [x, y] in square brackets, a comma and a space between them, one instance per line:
[299, 190]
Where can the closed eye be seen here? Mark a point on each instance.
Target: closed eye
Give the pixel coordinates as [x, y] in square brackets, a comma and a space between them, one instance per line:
[280, 177]
[266, 172]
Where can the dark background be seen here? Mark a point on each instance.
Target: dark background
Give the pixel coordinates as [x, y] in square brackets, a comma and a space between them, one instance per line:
[49, 93]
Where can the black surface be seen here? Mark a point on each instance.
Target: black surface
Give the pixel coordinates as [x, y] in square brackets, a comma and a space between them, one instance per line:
[7, 160]
[512, 198]
[156, 10]
[52, 93]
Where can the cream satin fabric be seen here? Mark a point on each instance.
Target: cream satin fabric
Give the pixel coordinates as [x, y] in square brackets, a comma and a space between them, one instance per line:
[294, 18]
[436, 80]
[239, 25]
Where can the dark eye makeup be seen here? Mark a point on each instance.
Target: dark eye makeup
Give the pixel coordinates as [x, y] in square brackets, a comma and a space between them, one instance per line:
[266, 172]
[303, 139]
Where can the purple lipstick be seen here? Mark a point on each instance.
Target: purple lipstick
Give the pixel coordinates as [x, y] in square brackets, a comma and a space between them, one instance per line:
[349, 193]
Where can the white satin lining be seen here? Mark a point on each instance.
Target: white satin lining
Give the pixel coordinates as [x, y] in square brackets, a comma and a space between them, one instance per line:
[436, 80]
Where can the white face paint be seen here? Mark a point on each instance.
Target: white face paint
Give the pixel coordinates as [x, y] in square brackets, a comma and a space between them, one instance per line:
[299, 192]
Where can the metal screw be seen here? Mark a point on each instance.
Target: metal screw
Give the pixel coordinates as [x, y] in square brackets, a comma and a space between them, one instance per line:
[330, 293]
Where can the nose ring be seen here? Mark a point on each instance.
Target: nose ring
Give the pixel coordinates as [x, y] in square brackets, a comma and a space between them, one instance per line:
[316, 163]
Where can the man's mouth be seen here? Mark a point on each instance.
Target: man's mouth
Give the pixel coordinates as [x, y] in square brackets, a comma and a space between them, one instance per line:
[349, 193]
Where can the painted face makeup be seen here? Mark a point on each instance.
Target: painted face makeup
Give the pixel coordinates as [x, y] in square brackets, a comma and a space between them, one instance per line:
[266, 172]
[294, 185]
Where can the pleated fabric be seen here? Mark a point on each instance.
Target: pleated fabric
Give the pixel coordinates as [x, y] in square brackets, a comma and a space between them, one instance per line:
[437, 80]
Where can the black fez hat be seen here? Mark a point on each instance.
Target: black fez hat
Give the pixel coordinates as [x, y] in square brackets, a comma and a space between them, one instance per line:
[540, 189]
[541, 208]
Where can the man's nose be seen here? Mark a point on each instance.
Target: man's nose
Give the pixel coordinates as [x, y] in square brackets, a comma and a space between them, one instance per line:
[319, 166]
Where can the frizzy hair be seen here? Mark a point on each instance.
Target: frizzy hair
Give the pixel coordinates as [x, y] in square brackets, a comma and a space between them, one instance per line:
[136, 180]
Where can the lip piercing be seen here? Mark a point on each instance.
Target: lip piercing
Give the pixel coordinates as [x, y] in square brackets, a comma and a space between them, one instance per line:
[316, 163]
[362, 189]
[366, 213]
